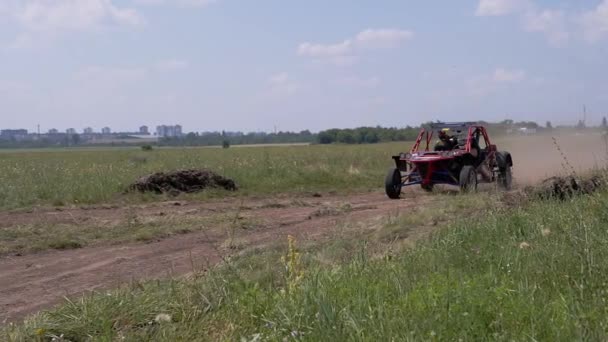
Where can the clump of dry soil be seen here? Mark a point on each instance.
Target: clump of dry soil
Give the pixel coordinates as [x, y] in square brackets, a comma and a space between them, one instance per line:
[566, 187]
[179, 181]
[561, 188]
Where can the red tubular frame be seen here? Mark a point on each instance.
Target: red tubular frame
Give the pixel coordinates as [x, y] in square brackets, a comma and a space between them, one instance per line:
[429, 138]
[417, 143]
[431, 163]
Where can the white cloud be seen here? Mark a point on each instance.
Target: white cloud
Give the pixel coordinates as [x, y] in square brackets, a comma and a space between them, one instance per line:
[558, 26]
[57, 15]
[549, 22]
[595, 23]
[345, 52]
[505, 75]
[382, 38]
[330, 50]
[500, 7]
[41, 21]
[179, 3]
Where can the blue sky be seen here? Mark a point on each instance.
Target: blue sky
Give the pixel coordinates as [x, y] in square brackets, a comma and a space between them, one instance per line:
[254, 65]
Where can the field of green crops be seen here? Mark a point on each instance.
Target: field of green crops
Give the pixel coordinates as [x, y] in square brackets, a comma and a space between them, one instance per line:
[65, 177]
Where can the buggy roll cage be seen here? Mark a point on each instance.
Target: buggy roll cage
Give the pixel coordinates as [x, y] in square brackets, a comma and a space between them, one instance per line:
[472, 127]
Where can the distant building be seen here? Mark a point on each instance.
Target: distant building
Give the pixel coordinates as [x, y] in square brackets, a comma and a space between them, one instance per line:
[53, 131]
[526, 130]
[143, 130]
[16, 134]
[106, 130]
[70, 131]
[165, 131]
[88, 130]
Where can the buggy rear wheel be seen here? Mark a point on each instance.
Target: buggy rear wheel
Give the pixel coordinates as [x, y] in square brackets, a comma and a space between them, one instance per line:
[505, 178]
[468, 179]
[392, 183]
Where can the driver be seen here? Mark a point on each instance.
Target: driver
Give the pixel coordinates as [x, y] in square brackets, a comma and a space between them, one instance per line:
[447, 142]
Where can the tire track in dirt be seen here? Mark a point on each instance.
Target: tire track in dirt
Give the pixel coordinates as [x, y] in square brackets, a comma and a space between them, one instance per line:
[33, 282]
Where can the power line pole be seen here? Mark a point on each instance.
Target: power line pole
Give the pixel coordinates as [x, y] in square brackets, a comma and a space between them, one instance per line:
[585, 115]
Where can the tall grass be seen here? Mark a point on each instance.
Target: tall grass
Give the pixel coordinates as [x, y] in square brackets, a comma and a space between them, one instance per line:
[536, 272]
[86, 177]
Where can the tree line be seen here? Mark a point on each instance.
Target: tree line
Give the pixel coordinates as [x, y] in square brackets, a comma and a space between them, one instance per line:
[238, 138]
[367, 135]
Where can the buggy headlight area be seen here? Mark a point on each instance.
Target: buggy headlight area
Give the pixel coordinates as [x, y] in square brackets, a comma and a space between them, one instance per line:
[448, 153]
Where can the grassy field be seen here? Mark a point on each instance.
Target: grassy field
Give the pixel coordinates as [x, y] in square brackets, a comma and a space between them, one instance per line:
[495, 269]
[93, 176]
[531, 272]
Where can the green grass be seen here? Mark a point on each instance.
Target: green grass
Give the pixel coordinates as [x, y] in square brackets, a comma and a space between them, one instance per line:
[67, 177]
[535, 272]
[25, 238]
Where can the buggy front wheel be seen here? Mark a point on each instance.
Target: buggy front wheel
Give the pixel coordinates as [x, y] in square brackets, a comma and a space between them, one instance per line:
[392, 183]
[468, 179]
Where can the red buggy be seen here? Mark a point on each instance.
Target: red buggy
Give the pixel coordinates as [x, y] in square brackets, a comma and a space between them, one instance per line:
[472, 159]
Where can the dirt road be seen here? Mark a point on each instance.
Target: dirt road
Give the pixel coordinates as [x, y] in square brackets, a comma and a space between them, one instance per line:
[32, 282]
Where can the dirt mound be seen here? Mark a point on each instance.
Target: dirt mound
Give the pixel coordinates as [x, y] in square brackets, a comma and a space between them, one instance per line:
[182, 181]
[566, 187]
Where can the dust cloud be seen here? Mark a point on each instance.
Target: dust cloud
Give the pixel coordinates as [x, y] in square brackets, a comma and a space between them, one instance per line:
[538, 157]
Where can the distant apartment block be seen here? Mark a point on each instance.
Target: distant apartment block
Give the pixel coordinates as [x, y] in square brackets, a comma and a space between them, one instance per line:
[88, 130]
[106, 130]
[70, 131]
[165, 131]
[143, 130]
[13, 134]
[53, 131]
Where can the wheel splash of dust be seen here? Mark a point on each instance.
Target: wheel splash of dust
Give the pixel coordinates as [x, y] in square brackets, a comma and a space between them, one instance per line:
[182, 181]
